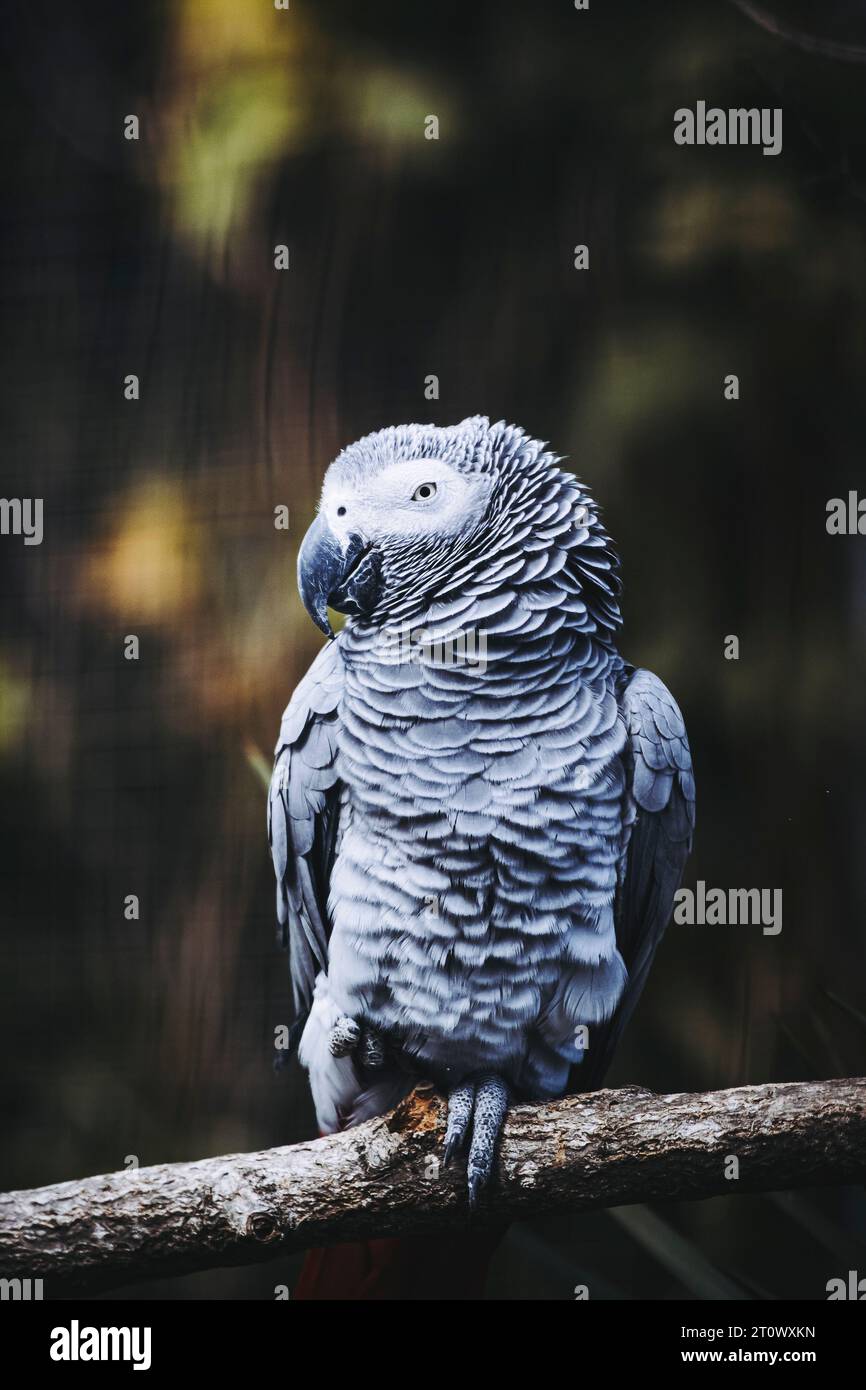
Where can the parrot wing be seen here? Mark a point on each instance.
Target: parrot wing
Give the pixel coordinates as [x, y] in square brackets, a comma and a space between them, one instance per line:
[303, 813]
[661, 814]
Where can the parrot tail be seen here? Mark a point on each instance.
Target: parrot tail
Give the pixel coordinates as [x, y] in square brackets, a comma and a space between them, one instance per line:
[449, 1265]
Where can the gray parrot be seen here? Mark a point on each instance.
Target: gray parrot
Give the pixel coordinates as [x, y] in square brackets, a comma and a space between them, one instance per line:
[479, 812]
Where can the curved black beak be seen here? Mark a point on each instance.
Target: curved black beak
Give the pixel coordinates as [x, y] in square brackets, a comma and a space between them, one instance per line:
[331, 576]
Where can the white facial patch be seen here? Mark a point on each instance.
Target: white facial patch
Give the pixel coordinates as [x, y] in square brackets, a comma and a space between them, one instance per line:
[413, 497]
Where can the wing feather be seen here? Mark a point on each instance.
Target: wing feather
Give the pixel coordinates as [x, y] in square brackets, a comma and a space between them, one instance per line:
[661, 815]
[303, 811]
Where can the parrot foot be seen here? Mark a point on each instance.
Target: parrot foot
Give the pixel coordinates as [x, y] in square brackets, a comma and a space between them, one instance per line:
[344, 1036]
[371, 1050]
[482, 1100]
[348, 1037]
[460, 1102]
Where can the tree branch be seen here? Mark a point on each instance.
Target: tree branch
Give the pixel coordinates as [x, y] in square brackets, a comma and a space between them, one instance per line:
[606, 1148]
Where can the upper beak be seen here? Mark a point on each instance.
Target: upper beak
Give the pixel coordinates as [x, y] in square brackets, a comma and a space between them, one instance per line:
[324, 567]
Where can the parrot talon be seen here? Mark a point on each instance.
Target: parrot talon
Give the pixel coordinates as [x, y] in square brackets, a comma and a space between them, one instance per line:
[348, 1037]
[452, 1146]
[343, 1037]
[461, 1100]
[371, 1050]
[491, 1107]
[484, 1102]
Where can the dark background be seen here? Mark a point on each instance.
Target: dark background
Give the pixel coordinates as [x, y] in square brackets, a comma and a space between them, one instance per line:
[154, 1037]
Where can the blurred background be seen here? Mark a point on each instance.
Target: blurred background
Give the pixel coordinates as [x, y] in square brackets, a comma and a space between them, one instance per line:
[153, 1039]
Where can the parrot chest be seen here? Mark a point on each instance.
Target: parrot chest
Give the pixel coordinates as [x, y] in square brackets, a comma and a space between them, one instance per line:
[477, 855]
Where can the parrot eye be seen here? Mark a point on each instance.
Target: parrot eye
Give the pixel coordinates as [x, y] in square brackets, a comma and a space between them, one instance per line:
[424, 493]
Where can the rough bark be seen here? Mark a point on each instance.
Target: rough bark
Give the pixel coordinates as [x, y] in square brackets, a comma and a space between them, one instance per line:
[606, 1148]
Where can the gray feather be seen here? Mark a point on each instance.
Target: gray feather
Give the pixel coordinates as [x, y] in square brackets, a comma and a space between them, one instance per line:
[478, 860]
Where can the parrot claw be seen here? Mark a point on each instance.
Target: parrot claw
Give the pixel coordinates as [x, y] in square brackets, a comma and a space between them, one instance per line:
[484, 1102]
[371, 1050]
[344, 1036]
[461, 1100]
[348, 1037]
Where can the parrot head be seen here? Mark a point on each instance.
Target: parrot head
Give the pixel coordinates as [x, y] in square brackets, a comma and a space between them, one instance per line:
[404, 510]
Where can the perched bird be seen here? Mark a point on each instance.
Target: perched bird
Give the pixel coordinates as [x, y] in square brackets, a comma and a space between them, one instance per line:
[479, 812]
